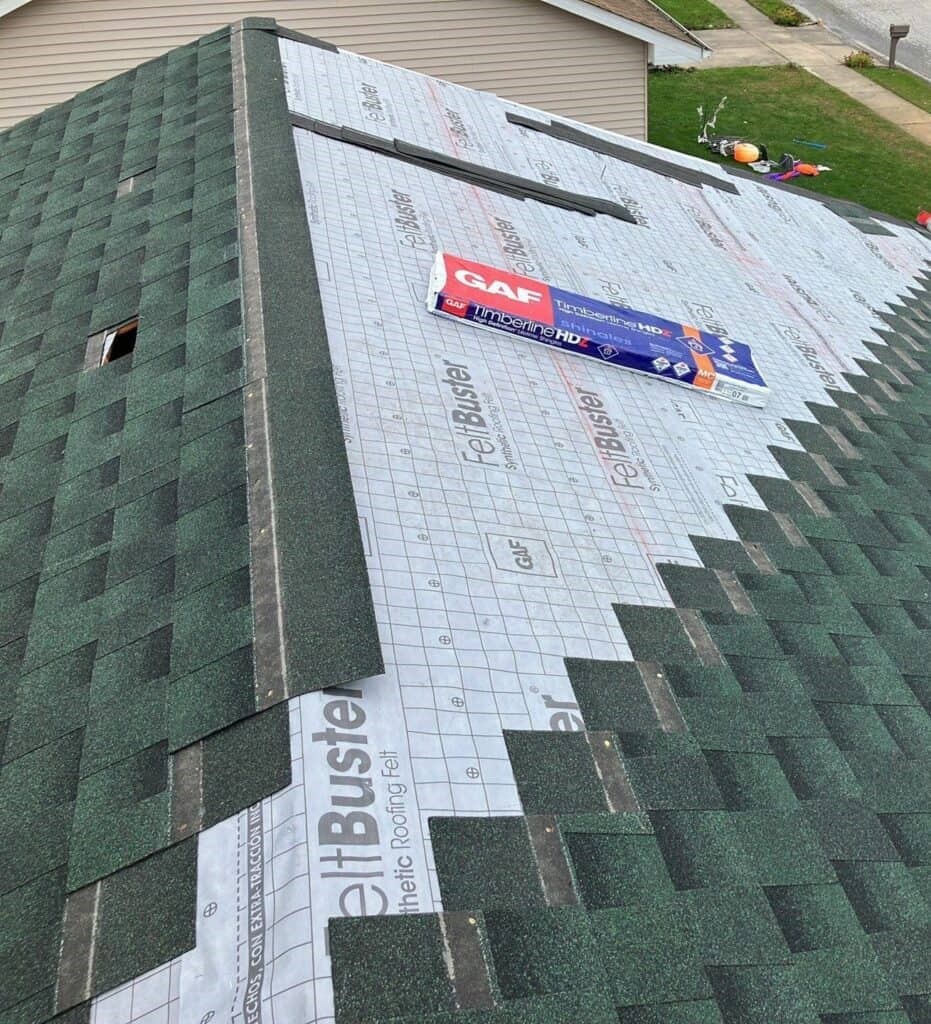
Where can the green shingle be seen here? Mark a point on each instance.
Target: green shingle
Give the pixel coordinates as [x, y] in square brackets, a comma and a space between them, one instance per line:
[861, 727]
[849, 830]
[814, 916]
[50, 703]
[407, 949]
[612, 869]
[723, 724]
[656, 744]
[723, 554]
[884, 895]
[815, 768]
[690, 587]
[652, 951]
[35, 844]
[886, 686]
[742, 635]
[736, 926]
[29, 921]
[41, 778]
[160, 891]
[709, 681]
[775, 993]
[777, 597]
[702, 849]
[121, 815]
[121, 726]
[544, 951]
[211, 698]
[484, 862]
[903, 955]
[846, 979]
[674, 782]
[655, 634]
[782, 848]
[245, 763]
[750, 780]
[611, 695]
[911, 836]
[830, 680]
[555, 773]
[892, 783]
[211, 623]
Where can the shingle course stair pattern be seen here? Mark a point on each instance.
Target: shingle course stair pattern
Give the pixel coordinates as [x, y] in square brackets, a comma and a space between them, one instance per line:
[126, 623]
[775, 735]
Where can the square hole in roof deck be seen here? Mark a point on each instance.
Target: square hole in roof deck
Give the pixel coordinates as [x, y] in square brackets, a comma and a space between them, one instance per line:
[119, 341]
[112, 344]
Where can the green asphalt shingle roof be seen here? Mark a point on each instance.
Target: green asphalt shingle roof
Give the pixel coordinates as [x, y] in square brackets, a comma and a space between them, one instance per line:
[742, 835]
[131, 713]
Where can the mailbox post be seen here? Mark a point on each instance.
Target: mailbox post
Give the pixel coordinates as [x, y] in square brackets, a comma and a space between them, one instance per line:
[896, 32]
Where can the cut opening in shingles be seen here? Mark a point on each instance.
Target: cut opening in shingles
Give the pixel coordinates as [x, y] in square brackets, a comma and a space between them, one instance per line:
[119, 341]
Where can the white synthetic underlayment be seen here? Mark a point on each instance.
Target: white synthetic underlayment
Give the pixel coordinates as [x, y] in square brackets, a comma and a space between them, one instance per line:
[473, 639]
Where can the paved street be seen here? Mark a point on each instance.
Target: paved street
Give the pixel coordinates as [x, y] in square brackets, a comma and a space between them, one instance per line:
[817, 49]
[868, 23]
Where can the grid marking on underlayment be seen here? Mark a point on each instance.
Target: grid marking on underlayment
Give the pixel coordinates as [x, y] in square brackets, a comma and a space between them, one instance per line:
[472, 648]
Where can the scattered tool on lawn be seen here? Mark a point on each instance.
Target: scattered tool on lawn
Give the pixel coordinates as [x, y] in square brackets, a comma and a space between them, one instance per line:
[789, 168]
[734, 146]
[753, 154]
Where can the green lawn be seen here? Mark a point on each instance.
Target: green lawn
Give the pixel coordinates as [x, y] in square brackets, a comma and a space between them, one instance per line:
[903, 83]
[779, 11]
[874, 163]
[696, 14]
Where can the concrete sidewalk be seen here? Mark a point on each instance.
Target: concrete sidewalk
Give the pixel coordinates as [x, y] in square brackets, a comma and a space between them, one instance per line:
[759, 42]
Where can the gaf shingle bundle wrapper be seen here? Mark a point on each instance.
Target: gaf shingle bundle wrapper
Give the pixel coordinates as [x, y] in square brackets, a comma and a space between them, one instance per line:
[501, 301]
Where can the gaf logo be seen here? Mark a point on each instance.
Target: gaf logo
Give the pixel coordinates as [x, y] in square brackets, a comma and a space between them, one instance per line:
[696, 345]
[456, 307]
[519, 294]
[525, 555]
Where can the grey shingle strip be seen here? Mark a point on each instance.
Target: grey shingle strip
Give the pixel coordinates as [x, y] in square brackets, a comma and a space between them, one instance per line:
[550, 856]
[612, 773]
[628, 154]
[476, 174]
[467, 961]
[79, 929]
[268, 614]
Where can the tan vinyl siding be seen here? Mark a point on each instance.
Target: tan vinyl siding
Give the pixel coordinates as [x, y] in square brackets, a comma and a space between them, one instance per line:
[523, 49]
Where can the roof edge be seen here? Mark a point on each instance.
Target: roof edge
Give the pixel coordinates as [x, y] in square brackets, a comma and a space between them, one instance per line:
[328, 623]
[671, 49]
[665, 49]
[9, 6]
